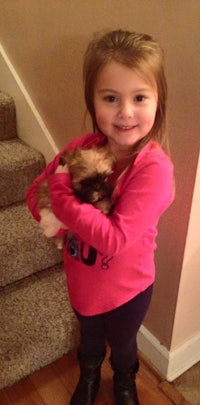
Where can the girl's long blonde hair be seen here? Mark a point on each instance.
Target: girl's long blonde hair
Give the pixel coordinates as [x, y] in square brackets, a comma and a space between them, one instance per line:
[139, 52]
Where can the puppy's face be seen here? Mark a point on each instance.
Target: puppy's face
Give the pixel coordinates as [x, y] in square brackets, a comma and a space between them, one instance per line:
[90, 169]
[88, 163]
[93, 189]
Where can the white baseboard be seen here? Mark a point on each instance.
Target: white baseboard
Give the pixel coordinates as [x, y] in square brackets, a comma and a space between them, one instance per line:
[31, 128]
[170, 364]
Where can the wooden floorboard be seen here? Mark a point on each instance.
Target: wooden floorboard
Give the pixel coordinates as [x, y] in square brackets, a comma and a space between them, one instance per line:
[55, 383]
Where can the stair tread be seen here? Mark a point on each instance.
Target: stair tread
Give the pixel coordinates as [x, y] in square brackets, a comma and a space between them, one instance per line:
[23, 248]
[35, 331]
[20, 164]
[14, 152]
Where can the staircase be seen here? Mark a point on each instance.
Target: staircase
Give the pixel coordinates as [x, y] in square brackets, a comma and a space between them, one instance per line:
[37, 324]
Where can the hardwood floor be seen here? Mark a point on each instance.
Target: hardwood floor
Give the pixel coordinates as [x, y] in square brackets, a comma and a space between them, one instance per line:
[54, 384]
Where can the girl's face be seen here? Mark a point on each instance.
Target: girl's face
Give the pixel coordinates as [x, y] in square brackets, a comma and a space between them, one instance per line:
[125, 106]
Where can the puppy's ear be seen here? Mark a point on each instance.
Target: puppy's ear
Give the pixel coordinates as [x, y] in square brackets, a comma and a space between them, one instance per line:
[66, 157]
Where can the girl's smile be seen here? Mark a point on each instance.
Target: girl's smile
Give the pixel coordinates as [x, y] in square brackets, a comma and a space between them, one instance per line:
[125, 106]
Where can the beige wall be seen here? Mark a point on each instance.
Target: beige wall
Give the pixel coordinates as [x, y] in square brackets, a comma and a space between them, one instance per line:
[45, 41]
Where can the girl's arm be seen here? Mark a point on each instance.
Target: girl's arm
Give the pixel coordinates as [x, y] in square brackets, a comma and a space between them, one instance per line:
[144, 195]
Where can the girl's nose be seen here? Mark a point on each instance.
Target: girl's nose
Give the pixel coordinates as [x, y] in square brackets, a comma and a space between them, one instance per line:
[126, 110]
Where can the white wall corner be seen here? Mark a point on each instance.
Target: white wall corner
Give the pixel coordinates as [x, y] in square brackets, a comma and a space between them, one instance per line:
[31, 128]
[170, 364]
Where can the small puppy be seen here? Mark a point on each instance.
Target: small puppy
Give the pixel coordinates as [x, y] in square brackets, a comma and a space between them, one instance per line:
[89, 169]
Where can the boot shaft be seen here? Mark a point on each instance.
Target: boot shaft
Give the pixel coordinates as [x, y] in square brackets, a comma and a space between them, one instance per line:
[88, 384]
[125, 390]
[90, 364]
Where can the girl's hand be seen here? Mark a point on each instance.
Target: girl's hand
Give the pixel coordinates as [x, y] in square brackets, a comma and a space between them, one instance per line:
[62, 169]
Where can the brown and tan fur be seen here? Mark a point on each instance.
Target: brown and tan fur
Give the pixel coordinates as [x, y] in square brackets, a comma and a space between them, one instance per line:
[89, 169]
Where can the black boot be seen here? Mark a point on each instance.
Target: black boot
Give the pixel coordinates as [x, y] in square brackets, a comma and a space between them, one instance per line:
[125, 391]
[88, 384]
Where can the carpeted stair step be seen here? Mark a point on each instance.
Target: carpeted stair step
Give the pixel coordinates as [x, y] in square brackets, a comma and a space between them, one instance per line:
[7, 117]
[20, 164]
[37, 324]
[23, 248]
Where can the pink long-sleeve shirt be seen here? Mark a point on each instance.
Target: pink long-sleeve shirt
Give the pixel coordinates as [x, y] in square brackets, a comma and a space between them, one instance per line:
[110, 259]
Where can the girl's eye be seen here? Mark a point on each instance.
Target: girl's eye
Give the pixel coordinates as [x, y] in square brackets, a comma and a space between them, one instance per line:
[139, 98]
[110, 99]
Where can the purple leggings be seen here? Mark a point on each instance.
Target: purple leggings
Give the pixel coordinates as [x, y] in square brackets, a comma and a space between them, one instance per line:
[118, 328]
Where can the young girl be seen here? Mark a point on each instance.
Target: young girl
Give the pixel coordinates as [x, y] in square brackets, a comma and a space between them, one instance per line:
[109, 261]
